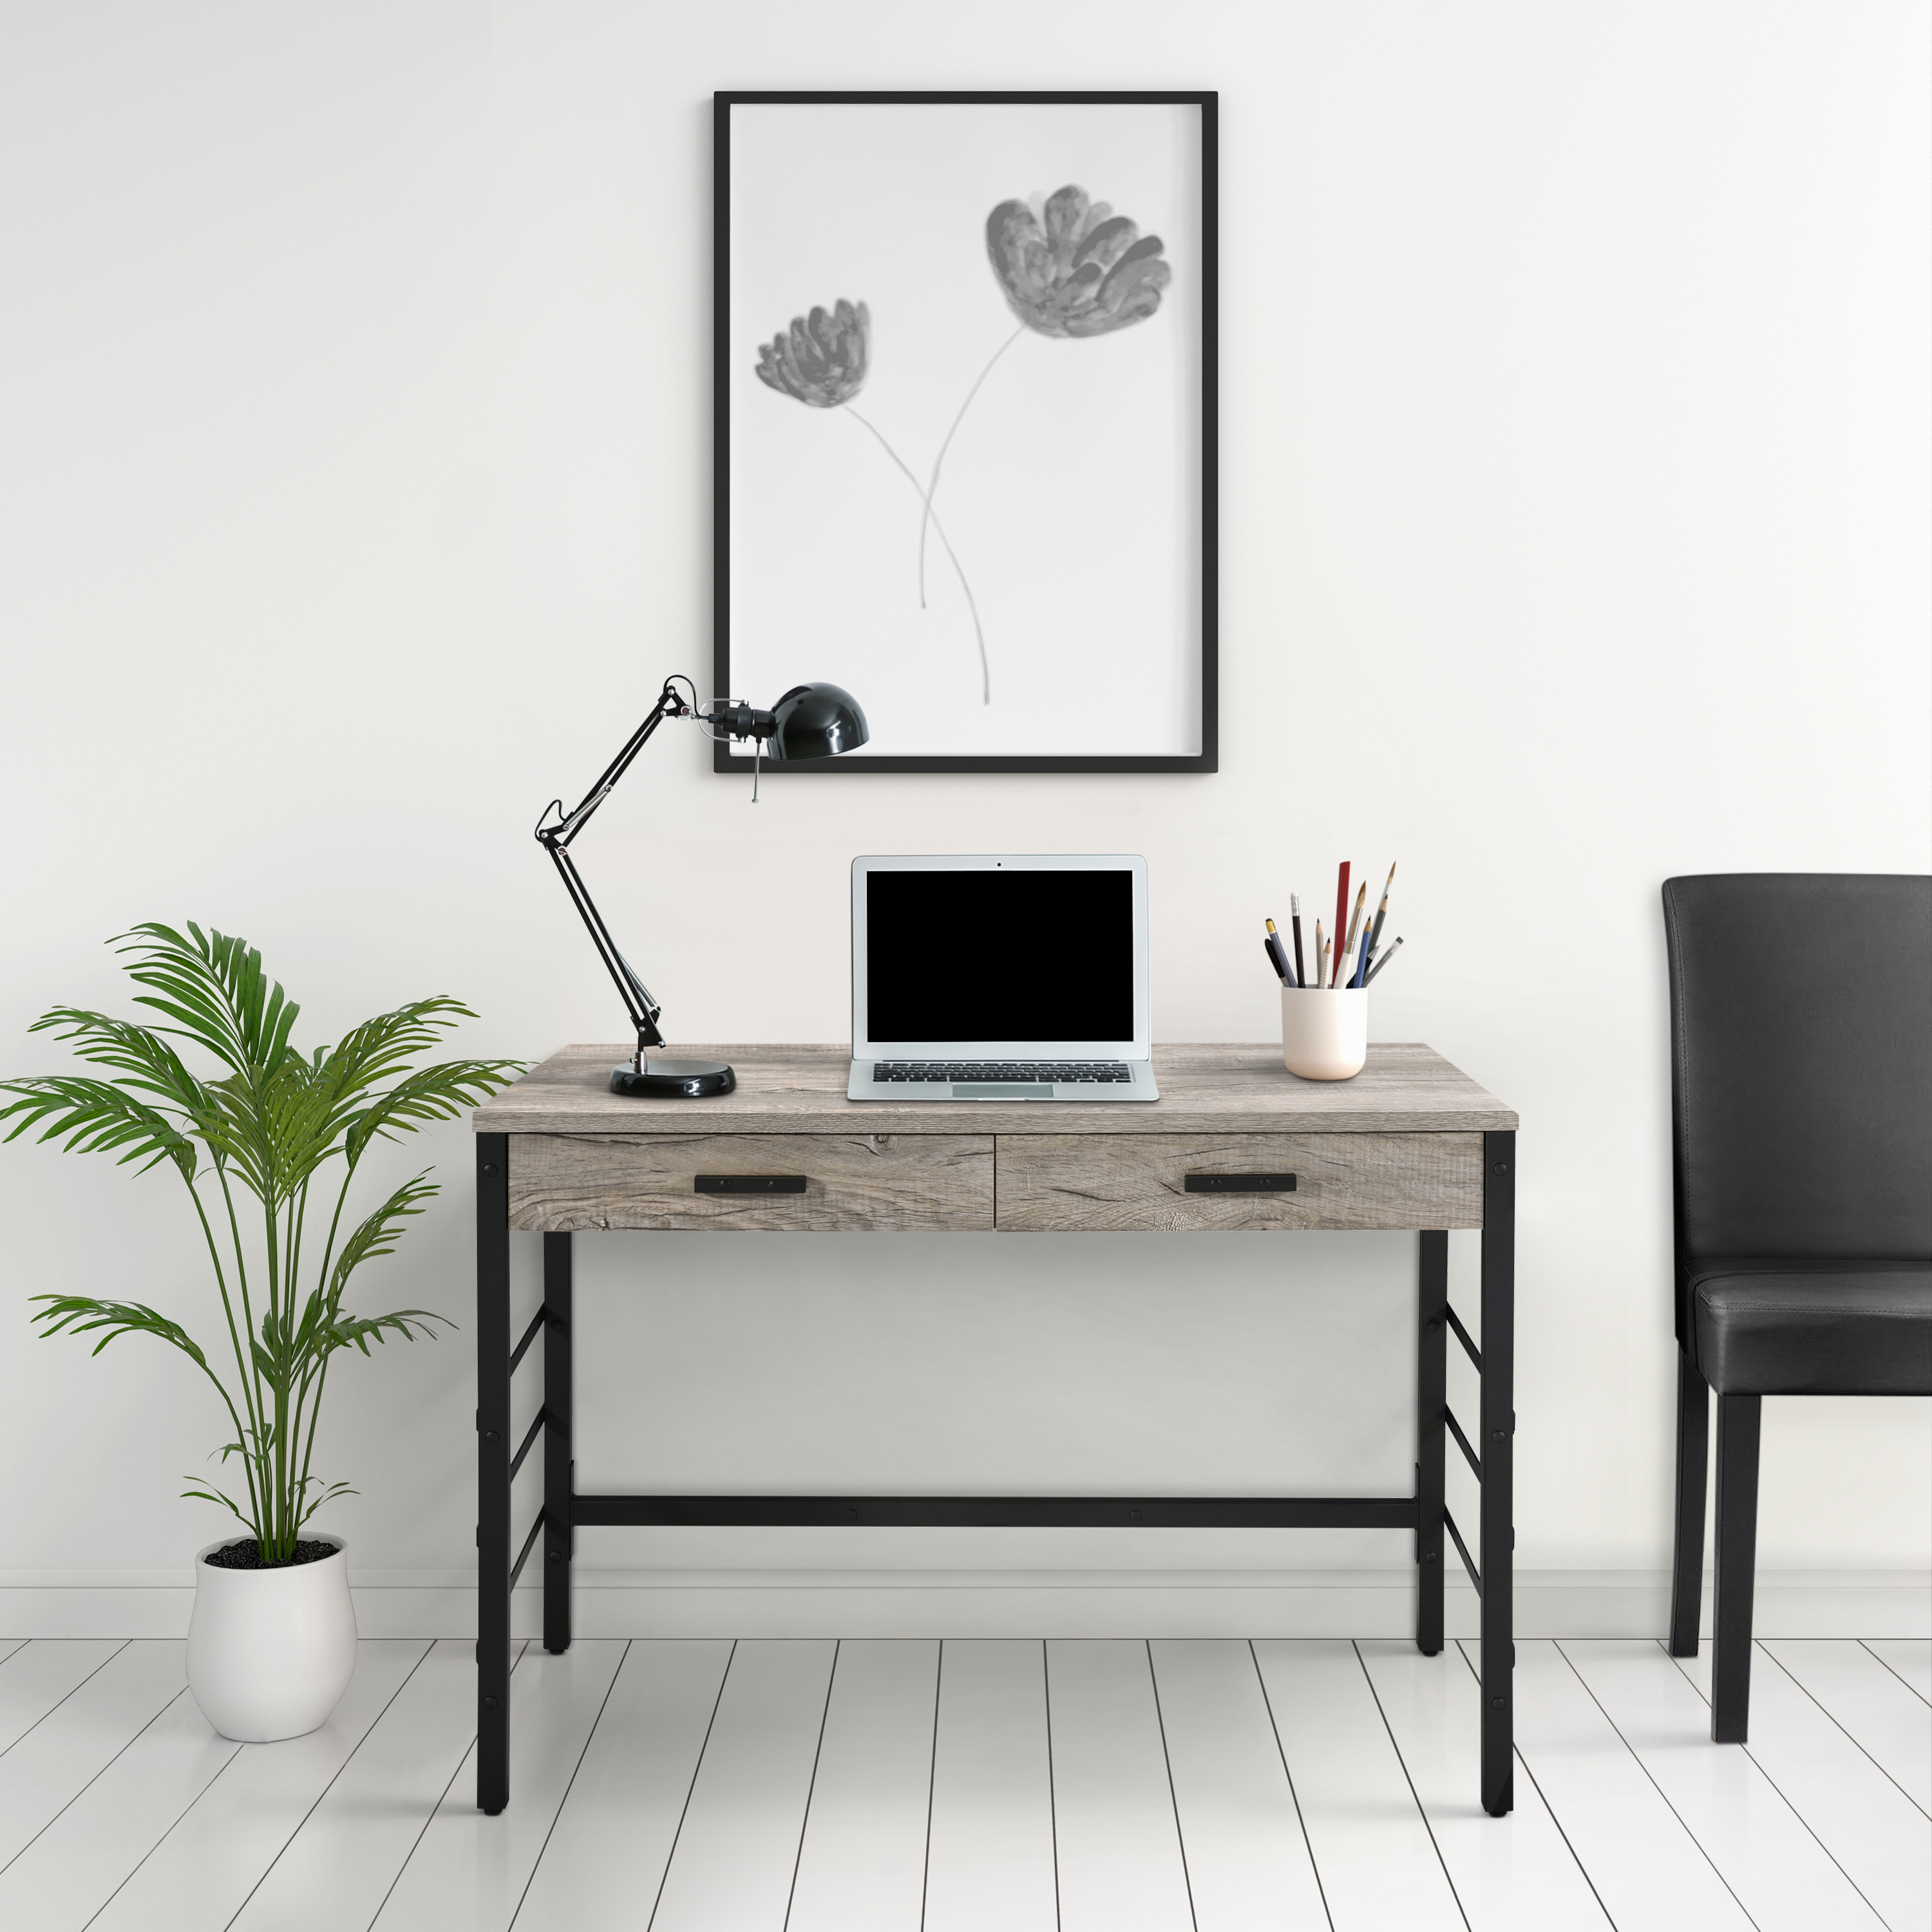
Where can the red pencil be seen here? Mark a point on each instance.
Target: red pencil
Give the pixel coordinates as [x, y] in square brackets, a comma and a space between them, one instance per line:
[1341, 915]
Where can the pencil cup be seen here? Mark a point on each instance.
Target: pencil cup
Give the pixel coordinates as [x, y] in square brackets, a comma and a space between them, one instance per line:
[1324, 1034]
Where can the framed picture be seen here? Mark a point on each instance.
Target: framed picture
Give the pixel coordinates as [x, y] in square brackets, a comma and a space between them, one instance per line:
[965, 424]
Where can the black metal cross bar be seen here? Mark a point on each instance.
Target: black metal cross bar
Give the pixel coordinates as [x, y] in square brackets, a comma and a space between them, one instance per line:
[1462, 1551]
[1005, 1512]
[1469, 1455]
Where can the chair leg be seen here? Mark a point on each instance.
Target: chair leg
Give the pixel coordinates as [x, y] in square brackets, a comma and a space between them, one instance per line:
[1739, 1417]
[1687, 1564]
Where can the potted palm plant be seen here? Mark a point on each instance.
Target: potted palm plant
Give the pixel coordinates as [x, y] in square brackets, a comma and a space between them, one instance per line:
[272, 1640]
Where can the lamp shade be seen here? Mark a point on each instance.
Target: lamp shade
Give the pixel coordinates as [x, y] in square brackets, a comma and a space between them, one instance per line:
[816, 720]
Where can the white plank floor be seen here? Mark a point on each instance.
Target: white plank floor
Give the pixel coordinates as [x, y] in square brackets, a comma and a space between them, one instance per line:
[921, 1786]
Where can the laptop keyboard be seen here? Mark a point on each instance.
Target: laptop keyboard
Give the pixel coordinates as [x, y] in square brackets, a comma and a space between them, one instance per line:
[1091, 1072]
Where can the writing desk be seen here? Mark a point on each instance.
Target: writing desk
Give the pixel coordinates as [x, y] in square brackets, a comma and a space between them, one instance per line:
[1233, 1142]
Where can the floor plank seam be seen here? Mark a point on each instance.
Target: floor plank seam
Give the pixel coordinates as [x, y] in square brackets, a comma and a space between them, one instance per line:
[1515, 1752]
[570, 1786]
[1863, 1645]
[1636, 1759]
[1052, 1803]
[1421, 1810]
[429, 1817]
[931, 1779]
[1862, 1752]
[282, 1849]
[684, 1810]
[135, 1870]
[1764, 1772]
[95, 1780]
[812, 1783]
[1173, 1799]
[1295, 1796]
[54, 1706]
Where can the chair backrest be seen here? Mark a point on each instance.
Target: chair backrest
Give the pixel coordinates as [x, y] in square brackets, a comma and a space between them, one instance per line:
[1801, 1030]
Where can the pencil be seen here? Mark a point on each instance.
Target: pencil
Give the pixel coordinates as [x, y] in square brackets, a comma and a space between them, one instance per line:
[1320, 957]
[1294, 920]
[1385, 960]
[1381, 914]
[1341, 916]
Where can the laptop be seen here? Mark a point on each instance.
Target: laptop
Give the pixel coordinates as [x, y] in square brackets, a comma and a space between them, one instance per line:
[1009, 977]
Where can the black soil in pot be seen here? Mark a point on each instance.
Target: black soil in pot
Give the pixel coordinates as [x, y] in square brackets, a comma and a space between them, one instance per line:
[246, 1555]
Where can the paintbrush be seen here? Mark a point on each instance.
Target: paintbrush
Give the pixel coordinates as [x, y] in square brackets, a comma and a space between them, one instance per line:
[1381, 914]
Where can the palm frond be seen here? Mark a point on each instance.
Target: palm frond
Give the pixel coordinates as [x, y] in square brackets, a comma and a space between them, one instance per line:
[439, 1093]
[380, 1047]
[98, 1116]
[378, 1234]
[81, 1314]
[358, 1331]
[227, 1502]
[326, 1493]
[140, 1052]
[215, 987]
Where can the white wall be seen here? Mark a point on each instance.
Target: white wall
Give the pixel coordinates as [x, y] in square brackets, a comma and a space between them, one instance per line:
[354, 484]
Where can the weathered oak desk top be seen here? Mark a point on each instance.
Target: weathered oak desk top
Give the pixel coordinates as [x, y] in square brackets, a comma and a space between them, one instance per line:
[1405, 1088]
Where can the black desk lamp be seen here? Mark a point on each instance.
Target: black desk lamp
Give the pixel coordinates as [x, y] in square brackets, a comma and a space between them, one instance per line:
[811, 721]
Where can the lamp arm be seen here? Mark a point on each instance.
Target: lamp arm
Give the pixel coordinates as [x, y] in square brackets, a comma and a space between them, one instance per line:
[569, 824]
[555, 838]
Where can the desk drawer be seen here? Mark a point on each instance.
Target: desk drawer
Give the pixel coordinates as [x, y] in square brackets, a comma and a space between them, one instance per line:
[1073, 1183]
[562, 1182]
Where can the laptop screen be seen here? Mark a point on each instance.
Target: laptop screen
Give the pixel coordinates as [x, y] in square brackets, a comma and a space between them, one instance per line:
[1011, 955]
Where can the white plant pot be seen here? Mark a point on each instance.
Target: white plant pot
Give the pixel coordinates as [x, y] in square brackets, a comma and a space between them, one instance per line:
[270, 1652]
[1324, 1032]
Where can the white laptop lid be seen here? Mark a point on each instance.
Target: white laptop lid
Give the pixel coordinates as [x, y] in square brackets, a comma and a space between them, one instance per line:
[1010, 956]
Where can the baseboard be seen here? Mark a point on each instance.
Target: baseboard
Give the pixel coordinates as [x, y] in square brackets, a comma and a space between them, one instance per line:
[632, 1603]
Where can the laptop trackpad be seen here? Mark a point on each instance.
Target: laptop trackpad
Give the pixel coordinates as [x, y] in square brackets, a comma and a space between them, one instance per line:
[1002, 1090]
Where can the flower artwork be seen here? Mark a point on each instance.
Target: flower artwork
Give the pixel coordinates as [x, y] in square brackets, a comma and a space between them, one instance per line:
[964, 456]
[820, 360]
[1069, 270]
[1078, 270]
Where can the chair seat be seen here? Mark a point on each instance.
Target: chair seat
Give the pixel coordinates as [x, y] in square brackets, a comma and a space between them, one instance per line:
[1813, 1327]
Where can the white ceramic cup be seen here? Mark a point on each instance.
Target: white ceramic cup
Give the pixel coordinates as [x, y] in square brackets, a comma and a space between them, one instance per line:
[1324, 1032]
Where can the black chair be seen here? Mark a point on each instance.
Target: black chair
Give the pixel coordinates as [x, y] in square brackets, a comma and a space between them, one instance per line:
[1801, 1030]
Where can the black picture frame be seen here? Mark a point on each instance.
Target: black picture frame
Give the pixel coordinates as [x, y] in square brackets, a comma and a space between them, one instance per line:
[1208, 759]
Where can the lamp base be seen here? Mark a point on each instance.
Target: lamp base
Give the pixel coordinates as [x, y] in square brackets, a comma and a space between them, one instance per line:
[674, 1079]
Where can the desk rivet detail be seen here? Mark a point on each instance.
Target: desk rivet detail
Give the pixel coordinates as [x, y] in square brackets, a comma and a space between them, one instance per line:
[1498, 1435]
[490, 1168]
[1501, 1167]
[490, 1436]
[489, 1703]
[1495, 1703]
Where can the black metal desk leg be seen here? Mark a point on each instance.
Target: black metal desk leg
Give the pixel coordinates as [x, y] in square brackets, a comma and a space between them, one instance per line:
[1499, 1430]
[493, 1471]
[559, 1534]
[1432, 1396]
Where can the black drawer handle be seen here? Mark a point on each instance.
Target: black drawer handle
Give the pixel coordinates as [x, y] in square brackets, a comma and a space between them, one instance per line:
[1241, 1183]
[748, 1183]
